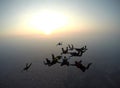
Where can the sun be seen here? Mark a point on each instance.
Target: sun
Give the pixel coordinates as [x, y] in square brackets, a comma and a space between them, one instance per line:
[48, 21]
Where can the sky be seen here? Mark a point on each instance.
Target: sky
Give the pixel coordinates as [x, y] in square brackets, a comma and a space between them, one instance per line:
[82, 15]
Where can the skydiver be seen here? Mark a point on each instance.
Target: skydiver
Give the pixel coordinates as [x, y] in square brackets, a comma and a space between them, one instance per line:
[27, 66]
[48, 62]
[58, 44]
[65, 61]
[55, 59]
[81, 66]
[81, 50]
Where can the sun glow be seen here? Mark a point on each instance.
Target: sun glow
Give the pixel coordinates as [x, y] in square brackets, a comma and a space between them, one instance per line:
[48, 21]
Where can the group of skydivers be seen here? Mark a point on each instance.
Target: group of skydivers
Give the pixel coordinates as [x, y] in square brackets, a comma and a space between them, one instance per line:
[78, 53]
[55, 59]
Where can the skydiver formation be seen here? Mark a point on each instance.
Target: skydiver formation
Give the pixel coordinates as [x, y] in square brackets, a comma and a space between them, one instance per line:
[65, 60]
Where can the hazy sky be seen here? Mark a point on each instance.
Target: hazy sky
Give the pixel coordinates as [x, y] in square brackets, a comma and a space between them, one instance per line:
[83, 14]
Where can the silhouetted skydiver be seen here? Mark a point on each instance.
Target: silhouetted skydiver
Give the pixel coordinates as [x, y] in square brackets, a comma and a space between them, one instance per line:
[75, 54]
[55, 59]
[71, 47]
[81, 66]
[48, 62]
[65, 62]
[81, 50]
[58, 44]
[27, 66]
[64, 51]
[84, 48]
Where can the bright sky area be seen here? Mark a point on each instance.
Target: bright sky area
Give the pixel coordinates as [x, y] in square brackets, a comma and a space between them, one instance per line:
[44, 17]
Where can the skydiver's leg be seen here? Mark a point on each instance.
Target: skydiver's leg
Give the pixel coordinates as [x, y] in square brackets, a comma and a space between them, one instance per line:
[48, 61]
[81, 53]
[67, 63]
[88, 65]
[83, 70]
[69, 46]
[53, 56]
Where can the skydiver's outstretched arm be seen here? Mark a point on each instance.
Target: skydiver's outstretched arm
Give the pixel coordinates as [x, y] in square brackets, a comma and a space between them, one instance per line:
[72, 47]
[66, 49]
[85, 47]
[63, 50]
[80, 53]
[69, 46]
[72, 64]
